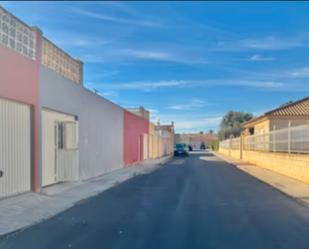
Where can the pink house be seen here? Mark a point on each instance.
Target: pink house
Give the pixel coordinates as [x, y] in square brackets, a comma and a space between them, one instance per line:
[20, 53]
[44, 134]
[134, 128]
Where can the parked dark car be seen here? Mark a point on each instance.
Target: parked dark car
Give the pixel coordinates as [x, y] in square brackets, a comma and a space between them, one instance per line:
[203, 146]
[181, 150]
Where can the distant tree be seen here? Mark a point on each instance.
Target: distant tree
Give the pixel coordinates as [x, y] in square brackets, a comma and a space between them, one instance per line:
[231, 123]
[201, 132]
[211, 131]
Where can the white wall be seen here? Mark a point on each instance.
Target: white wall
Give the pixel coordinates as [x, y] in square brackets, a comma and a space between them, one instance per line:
[284, 123]
[100, 122]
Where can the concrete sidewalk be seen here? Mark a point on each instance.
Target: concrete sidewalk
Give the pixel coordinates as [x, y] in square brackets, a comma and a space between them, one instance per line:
[290, 186]
[24, 210]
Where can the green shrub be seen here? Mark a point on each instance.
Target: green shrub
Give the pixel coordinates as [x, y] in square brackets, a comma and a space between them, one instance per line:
[214, 145]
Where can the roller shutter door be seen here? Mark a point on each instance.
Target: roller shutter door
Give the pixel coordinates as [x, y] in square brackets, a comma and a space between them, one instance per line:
[15, 148]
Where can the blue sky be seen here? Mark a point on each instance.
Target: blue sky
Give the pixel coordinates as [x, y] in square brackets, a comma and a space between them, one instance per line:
[187, 62]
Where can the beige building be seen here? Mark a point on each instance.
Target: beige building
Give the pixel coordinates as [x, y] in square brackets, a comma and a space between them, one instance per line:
[166, 134]
[277, 140]
[140, 111]
[292, 114]
[196, 139]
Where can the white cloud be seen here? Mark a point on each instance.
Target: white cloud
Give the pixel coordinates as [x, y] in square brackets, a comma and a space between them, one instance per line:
[267, 43]
[83, 42]
[117, 19]
[115, 54]
[300, 72]
[152, 111]
[108, 73]
[199, 124]
[191, 122]
[154, 85]
[98, 89]
[153, 114]
[148, 54]
[94, 58]
[271, 43]
[150, 85]
[254, 83]
[79, 42]
[258, 57]
[160, 55]
[188, 105]
[109, 94]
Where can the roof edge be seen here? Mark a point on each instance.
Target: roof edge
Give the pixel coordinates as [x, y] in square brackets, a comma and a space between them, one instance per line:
[286, 106]
[252, 120]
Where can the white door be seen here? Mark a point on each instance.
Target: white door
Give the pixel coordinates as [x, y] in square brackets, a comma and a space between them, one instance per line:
[55, 126]
[15, 148]
[67, 151]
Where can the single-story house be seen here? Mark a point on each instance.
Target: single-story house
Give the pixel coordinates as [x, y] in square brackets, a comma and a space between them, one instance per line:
[196, 139]
[292, 114]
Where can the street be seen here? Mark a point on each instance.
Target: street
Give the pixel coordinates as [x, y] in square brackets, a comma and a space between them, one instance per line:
[192, 202]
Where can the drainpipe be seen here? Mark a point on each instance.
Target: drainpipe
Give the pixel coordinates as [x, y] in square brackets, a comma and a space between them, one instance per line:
[36, 171]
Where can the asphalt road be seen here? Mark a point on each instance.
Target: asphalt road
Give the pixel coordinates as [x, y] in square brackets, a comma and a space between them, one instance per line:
[192, 203]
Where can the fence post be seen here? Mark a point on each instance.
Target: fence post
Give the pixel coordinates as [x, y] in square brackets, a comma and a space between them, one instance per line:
[274, 138]
[264, 141]
[289, 137]
[241, 145]
[230, 145]
[308, 137]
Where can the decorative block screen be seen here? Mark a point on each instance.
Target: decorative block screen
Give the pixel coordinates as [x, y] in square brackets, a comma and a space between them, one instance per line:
[57, 60]
[16, 35]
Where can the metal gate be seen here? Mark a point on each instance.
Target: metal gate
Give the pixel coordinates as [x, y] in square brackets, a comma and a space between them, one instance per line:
[15, 148]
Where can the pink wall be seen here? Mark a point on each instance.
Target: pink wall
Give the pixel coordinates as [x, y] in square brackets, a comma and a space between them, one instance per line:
[134, 128]
[19, 81]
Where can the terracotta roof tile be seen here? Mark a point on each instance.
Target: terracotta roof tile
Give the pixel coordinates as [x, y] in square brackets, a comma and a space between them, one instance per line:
[297, 108]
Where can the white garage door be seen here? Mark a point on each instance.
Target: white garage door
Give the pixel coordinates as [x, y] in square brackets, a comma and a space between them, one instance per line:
[15, 148]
